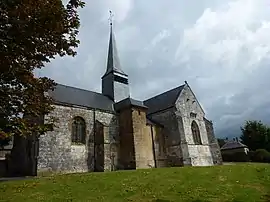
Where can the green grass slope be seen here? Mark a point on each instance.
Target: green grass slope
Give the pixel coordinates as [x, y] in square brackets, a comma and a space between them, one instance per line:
[232, 183]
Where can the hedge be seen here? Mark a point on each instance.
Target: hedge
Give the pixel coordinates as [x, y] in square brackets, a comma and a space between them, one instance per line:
[260, 155]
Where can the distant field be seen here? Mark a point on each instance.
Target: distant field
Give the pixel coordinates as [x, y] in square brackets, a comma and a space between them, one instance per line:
[230, 183]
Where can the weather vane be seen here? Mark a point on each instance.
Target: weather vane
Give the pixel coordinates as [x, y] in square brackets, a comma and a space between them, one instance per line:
[111, 17]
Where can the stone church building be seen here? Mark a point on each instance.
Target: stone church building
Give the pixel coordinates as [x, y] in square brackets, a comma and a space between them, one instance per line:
[111, 131]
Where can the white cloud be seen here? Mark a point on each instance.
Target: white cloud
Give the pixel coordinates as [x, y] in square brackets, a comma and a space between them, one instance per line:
[221, 35]
[160, 36]
[233, 41]
[220, 47]
[228, 39]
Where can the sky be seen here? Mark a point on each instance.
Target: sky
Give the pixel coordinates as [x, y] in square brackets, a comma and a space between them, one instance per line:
[221, 47]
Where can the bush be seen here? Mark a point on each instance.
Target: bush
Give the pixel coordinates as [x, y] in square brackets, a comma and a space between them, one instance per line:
[251, 155]
[260, 155]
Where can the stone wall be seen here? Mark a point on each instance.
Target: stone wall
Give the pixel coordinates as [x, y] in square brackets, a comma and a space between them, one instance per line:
[172, 137]
[200, 155]
[159, 145]
[214, 146]
[188, 110]
[127, 150]
[56, 151]
[111, 139]
[118, 141]
[142, 140]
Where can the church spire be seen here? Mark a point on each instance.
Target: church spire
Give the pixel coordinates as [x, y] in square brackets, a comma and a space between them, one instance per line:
[113, 61]
[115, 81]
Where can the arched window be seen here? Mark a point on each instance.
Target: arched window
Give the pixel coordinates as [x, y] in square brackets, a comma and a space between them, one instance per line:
[78, 130]
[196, 133]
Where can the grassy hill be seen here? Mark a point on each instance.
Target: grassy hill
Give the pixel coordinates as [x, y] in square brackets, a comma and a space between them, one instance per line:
[232, 183]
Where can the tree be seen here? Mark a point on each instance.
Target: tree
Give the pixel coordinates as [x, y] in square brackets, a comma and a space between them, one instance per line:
[255, 135]
[32, 32]
[4, 142]
[221, 142]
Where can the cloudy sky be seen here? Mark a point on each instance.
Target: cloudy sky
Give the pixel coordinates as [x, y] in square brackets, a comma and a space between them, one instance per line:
[221, 47]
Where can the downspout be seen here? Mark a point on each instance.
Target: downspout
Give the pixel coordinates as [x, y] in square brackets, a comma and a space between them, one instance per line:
[153, 146]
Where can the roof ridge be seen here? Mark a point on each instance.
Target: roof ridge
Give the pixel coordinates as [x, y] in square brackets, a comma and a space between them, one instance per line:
[232, 142]
[164, 92]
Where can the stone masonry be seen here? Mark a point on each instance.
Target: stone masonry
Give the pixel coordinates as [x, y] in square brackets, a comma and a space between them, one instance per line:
[181, 149]
[126, 140]
[156, 133]
[142, 140]
[127, 149]
[57, 153]
[169, 129]
[171, 135]
[136, 145]
[214, 146]
[195, 154]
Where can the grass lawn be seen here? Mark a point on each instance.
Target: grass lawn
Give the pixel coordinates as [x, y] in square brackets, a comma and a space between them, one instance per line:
[232, 183]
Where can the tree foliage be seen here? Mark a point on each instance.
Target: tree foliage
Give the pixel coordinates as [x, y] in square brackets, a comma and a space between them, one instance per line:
[32, 32]
[256, 135]
[260, 155]
[221, 142]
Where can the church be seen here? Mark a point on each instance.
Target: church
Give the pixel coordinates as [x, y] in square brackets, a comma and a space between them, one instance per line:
[110, 131]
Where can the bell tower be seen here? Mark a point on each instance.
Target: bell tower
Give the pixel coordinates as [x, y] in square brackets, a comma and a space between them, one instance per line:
[114, 81]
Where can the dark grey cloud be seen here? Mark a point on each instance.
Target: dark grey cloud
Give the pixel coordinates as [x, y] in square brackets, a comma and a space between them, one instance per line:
[220, 47]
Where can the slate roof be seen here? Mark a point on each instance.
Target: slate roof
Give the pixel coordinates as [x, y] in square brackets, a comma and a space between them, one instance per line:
[164, 100]
[233, 145]
[75, 96]
[113, 61]
[152, 122]
[128, 102]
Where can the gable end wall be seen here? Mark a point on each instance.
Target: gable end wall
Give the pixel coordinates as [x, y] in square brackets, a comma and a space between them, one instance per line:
[196, 155]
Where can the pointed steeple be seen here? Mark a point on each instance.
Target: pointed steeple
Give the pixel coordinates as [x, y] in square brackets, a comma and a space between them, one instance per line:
[115, 81]
[113, 61]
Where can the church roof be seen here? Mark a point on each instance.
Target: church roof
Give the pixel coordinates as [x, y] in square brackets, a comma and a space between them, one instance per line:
[113, 61]
[128, 102]
[233, 145]
[75, 96]
[164, 100]
[150, 121]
